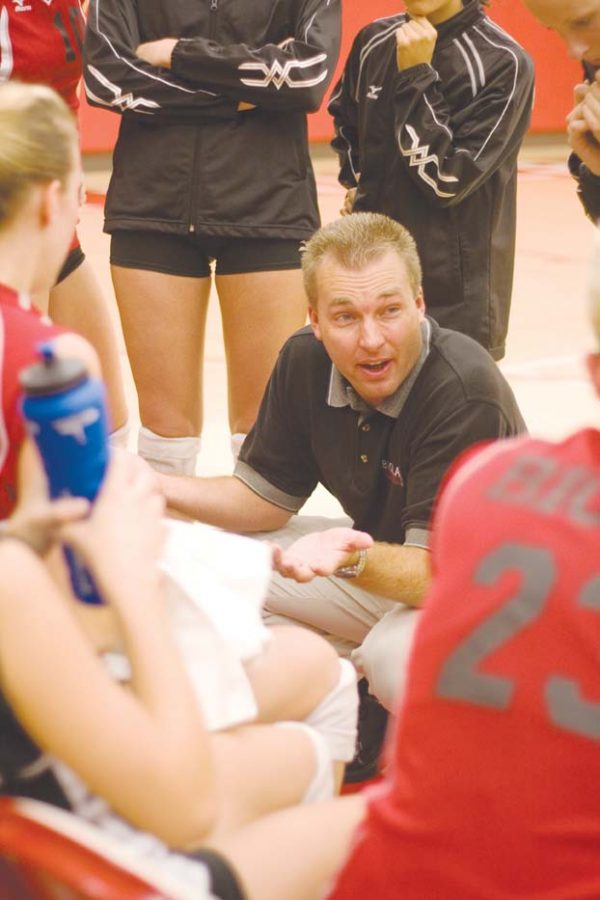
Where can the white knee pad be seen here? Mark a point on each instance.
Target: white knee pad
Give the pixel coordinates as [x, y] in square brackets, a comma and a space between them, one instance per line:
[172, 456]
[384, 655]
[321, 787]
[120, 436]
[336, 715]
[236, 441]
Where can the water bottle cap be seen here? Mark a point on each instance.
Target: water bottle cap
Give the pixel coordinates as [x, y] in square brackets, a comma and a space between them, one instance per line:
[53, 375]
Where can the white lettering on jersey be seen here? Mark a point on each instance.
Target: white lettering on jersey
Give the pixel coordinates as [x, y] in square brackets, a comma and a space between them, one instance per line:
[6, 50]
[20, 6]
[279, 75]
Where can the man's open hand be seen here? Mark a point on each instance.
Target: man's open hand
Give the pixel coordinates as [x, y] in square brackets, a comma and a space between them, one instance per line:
[319, 553]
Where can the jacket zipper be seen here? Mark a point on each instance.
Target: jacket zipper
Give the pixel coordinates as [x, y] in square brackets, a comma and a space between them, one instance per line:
[214, 6]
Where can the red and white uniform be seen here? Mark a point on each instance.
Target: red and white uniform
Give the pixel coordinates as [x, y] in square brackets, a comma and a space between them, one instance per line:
[495, 779]
[22, 328]
[41, 41]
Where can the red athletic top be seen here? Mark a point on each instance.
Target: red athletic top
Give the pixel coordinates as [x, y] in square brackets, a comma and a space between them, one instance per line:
[494, 791]
[41, 41]
[22, 328]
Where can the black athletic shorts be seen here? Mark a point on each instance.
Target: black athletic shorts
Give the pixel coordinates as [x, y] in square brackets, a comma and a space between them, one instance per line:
[73, 261]
[224, 882]
[191, 255]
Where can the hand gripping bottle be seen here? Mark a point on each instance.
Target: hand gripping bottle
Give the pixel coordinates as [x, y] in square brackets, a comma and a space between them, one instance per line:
[65, 413]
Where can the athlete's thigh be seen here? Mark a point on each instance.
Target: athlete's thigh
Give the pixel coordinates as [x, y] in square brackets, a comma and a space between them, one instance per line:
[163, 318]
[295, 671]
[78, 303]
[259, 311]
[259, 769]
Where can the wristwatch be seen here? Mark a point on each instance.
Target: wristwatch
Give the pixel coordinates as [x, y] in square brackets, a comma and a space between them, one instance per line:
[354, 570]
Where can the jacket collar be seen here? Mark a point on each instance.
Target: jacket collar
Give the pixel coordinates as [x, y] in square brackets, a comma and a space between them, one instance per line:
[451, 28]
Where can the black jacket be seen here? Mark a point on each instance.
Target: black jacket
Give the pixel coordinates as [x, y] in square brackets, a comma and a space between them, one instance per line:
[435, 147]
[186, 160]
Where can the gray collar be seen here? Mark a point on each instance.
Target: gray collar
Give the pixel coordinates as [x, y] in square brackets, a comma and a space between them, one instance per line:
[341, 393]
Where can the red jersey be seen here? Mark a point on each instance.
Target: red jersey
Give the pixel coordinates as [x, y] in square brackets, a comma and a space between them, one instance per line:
[494, 790]
[41, 41]
[22, 328]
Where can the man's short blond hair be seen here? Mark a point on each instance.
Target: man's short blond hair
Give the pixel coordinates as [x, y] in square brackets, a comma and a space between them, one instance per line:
[356, 240]
[38, 142]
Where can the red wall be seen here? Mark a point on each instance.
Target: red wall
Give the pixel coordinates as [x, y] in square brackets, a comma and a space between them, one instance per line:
[556, 74]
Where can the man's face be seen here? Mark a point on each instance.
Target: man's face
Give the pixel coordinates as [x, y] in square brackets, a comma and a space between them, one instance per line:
[369, 321]
[576, 21]
[435, 10]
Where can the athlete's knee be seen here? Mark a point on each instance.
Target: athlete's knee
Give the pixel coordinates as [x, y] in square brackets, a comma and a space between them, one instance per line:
[321, 786]
[335, 717]
[170, 455]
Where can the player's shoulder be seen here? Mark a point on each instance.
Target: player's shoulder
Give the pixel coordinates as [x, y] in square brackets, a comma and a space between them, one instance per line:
[379, 29]
[494, 37]
[482, 465]
[479, 465]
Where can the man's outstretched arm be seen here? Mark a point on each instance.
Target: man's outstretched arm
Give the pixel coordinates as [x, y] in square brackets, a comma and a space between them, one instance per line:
[223, 501]
[397, 571]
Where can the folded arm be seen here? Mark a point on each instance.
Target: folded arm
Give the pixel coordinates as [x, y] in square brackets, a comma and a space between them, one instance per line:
[293, 73]
[115, 77]
[449, 154]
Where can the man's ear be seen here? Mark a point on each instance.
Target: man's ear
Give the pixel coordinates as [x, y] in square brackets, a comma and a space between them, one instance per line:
[420, 301]
[593, 367]
[313, 317]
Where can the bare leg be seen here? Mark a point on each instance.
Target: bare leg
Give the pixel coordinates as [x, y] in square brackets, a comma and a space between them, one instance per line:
[293, 674]
[259, 311]
[259, 769]
[294, 854]
[163, 318]
[77, 303]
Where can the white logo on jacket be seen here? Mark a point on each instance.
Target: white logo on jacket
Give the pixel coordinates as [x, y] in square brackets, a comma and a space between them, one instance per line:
[374, 91]
[419, 155]
[279, 75]
[122, 101]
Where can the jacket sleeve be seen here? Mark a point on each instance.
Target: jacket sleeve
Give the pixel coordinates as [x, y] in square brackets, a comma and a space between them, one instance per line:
[344, 110]
[117, 79]
[293, 74]
[450, 156]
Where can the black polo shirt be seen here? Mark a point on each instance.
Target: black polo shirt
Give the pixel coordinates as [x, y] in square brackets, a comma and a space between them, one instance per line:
[384, 468]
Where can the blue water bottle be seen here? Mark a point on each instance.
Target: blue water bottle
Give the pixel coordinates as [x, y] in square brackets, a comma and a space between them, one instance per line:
[65, 413]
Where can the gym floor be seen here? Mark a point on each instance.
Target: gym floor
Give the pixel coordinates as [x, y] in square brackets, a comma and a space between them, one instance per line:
[549, 333]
